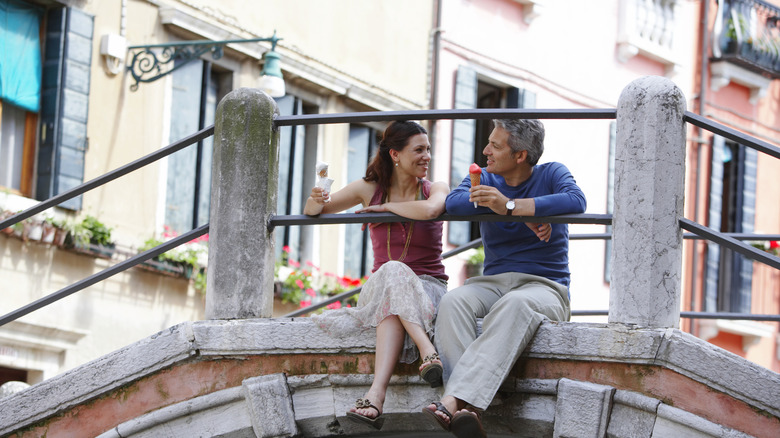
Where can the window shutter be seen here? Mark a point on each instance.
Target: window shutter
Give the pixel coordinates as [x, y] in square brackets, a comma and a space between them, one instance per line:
[742, 296]
[716, 206]
[65, 97]
[463, 133]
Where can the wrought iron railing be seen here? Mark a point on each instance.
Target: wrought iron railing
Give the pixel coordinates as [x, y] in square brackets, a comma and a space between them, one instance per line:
[732, 241]
[747, 33]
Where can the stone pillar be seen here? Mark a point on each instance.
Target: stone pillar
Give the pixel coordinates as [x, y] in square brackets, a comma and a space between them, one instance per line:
[244, 184]
[649, 191]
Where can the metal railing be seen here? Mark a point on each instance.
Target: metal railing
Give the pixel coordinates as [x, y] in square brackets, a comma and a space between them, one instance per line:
[732, 241]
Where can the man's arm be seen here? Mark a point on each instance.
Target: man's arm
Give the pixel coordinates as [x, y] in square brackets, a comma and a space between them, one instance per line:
[567, 197]
[458, 203]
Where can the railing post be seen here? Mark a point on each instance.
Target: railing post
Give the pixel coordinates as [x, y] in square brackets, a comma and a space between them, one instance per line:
[243, 197]
[649, 192]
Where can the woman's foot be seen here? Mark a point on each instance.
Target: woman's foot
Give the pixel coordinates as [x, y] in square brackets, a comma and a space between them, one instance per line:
[431, 370]
[367, 412]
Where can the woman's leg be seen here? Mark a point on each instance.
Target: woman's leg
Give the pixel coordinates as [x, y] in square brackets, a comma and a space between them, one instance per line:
[389, 341]
[420, 338]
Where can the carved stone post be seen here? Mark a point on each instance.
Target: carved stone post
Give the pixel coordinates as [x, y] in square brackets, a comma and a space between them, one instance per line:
[649, 192]
[243, 197]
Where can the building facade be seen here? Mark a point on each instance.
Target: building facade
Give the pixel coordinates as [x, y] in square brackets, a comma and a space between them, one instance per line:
[350, 56]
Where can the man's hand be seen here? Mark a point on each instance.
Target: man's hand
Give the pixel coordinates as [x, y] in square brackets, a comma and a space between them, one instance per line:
[542, 231]
[490, 197]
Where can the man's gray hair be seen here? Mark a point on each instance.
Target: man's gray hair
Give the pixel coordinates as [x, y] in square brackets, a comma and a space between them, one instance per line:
[524, 135]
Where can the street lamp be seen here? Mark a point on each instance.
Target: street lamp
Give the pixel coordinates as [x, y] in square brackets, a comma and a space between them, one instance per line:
[147, 66]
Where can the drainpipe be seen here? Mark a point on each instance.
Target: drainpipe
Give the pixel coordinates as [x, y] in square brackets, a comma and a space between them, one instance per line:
[435, 44]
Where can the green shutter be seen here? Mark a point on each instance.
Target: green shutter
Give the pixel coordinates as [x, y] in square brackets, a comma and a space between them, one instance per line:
[65, 103]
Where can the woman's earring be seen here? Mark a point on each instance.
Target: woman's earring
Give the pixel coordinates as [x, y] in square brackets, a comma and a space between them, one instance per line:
[396, 164]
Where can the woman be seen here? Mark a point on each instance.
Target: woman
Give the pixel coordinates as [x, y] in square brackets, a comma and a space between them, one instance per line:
[402, 294]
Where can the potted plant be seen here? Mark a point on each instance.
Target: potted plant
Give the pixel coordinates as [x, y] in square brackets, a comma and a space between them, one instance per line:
[92, 237]
[475, 258]
[178, 262]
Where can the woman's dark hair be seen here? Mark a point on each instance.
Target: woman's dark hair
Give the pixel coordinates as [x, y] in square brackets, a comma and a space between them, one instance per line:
[395, 137]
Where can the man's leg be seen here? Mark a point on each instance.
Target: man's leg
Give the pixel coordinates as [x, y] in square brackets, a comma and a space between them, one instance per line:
[456, 322]
[506, 330]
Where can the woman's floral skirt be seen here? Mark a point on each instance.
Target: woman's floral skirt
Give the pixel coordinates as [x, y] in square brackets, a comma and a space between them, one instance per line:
[393, 289]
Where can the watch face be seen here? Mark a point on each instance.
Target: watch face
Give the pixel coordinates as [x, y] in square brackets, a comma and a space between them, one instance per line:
[510, 204]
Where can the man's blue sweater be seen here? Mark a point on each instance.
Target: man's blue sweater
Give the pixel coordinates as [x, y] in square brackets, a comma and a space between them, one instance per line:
[512, 246]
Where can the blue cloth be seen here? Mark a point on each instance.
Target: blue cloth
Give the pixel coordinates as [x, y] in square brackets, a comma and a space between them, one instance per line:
[20, 54]
[512, 246]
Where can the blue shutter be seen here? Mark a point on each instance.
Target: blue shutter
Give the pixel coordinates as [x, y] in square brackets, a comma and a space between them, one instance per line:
[185, 114]
[716, 207]
[65, 97]
[463, 132]
[356, 242]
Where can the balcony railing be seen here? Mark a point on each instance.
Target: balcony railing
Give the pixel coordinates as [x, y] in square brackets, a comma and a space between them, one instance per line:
[747, 33]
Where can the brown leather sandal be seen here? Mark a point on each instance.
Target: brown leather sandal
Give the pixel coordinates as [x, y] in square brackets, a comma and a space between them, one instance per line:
[468, 424]
[439, 407]
[364, 403]
[432, 372]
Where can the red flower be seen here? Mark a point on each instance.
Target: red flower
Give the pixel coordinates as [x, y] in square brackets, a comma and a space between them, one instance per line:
[336, 305]
[305, 303]
[286, 248]
[300, 284]
[295, 264]
[774, 244]
[310, 292]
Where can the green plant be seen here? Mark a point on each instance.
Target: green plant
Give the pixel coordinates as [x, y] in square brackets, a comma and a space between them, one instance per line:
[99, 233]
[304, 286]
[476, 256]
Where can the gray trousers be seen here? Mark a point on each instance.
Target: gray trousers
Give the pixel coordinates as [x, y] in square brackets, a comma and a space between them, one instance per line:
[512, 306]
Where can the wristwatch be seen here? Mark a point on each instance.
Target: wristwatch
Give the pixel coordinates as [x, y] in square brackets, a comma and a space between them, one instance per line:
[510, 207]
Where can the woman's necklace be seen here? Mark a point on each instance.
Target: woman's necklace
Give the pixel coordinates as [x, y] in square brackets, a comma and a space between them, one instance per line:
[406, 246]
[408, 235]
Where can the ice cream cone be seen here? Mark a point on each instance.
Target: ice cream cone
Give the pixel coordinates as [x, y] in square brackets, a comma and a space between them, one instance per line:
[475, 172]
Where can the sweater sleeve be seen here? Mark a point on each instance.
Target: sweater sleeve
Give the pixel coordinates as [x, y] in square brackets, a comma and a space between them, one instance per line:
[458, 204]
[566, 196]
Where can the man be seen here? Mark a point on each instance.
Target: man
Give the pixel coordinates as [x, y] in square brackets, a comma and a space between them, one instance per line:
[526, 273]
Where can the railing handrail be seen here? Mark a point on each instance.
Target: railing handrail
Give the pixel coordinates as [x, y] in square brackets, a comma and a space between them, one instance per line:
[108, 177]
[732, 134]
[376, 116]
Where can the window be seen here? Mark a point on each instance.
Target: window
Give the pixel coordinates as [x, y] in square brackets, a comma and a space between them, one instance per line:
[469, 137]
[732, 210]
[197, 88]
[358, 253]
[20, 92]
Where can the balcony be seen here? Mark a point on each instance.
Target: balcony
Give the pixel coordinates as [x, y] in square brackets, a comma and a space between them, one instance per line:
[746, 34]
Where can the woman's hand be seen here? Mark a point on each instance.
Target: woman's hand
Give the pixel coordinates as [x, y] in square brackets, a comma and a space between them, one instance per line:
[373, 209]
[319, 195]
[316, 201]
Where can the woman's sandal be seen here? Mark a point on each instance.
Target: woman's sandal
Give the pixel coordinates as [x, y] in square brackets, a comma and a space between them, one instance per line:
[364, 403]
[439, 407]
[432, 372]
[468, 424]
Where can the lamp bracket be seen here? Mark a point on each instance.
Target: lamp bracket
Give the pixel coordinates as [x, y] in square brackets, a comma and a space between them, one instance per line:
[148, 64]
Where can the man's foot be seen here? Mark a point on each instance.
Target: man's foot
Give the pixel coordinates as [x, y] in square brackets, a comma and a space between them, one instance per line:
[467, 423]
[440, 413]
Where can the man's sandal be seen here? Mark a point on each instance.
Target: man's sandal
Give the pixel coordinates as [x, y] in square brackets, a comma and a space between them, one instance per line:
[439, 407]
[432, 372]
[468, 424]
[364, 403]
